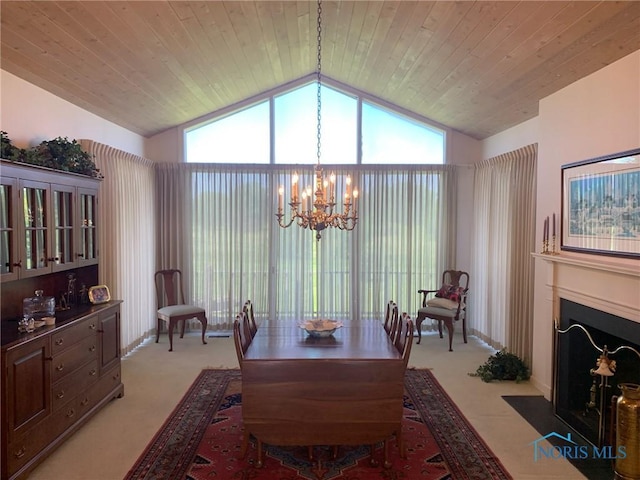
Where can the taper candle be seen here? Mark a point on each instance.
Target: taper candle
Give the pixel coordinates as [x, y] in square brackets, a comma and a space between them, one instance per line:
[553, 232]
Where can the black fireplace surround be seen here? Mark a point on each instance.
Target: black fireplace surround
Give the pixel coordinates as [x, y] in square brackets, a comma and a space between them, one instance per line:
[575, 357]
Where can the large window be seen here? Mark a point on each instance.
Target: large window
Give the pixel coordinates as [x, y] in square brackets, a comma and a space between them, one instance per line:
[390, 138]
[282, 129]
[296, 127]
[226, 140]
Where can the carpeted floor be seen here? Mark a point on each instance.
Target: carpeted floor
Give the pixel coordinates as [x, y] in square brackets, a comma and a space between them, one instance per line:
[202, 439]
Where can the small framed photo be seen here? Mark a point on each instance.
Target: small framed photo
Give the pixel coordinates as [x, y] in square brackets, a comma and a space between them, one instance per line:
[601, 205]
[99, 294]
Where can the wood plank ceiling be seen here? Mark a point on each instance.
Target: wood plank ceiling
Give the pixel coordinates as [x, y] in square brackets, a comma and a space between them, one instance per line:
[478, 67]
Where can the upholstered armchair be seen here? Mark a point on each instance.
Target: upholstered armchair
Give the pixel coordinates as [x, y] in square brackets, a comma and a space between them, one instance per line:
[446, 304]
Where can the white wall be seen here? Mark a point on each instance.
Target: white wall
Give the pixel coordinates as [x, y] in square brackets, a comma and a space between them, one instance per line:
[595, 116]
[31, 115]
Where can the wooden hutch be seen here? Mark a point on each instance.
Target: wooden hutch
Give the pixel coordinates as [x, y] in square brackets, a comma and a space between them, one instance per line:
[57, 377]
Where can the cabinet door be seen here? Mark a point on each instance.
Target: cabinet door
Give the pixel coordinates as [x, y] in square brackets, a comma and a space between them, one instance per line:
[28, 391]
[87, 225]
[9, 199]
[109, 340]
[62, 227]
[35, 246]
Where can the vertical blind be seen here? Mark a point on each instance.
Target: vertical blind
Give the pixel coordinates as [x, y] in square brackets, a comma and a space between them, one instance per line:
[218, 224]
[503, 239]
[127, 237]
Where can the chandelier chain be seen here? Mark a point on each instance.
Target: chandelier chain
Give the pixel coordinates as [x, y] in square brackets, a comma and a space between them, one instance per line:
[319, 113]
[313, 206]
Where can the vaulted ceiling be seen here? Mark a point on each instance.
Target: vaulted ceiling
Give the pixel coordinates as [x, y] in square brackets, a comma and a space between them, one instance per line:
[477, 67]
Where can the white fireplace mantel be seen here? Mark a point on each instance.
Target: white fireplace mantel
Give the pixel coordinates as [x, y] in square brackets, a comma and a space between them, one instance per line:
[605, 285]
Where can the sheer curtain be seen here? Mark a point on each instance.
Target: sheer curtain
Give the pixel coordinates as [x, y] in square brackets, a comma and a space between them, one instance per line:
[501, 305]
[218, 224]
[127, 236]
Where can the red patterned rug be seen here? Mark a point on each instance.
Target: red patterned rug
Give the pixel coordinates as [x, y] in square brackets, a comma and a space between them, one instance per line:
[202, 438]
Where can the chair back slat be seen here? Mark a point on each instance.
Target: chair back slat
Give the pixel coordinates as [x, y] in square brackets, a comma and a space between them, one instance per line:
[387, 316]
[237, 340]
[395, 323]
[247, 308]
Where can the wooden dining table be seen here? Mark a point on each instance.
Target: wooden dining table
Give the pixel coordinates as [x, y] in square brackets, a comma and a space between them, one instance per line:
[345, 389]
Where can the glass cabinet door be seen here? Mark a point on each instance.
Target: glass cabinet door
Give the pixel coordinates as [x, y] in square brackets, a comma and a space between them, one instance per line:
[9, 264]
[35, 260]
[88, 226]
[63, 223]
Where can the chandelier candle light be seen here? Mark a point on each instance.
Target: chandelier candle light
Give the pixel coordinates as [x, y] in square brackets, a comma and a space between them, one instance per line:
[314, 207]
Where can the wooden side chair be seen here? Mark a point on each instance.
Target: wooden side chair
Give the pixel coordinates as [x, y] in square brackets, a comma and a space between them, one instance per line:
[171, 306]
[403, 343]
[448, 305]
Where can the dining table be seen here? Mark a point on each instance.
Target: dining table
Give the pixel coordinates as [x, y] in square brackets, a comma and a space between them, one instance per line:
[344, 389]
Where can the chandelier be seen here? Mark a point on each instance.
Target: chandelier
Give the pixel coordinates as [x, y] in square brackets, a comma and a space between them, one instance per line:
[313, 207]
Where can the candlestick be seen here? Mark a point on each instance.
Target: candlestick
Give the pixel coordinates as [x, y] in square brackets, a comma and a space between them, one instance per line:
[554, 225]
[280, 198]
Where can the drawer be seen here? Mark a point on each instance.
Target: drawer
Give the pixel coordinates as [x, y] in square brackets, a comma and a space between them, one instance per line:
[67, 337]
[109, 381]
[73, 385]
[71, 359]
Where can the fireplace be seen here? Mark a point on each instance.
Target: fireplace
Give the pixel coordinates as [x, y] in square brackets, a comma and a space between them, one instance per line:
[581, 399]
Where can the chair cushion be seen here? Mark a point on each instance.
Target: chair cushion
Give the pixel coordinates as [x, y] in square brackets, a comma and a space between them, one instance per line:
[443, 303]
[452, 292]
[443, 312]
[180, 310]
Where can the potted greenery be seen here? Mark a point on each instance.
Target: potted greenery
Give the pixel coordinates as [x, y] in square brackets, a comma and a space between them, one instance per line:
[58, 154]
[502, 366]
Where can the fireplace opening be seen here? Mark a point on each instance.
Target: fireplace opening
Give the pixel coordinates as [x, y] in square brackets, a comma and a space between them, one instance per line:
[580, 398]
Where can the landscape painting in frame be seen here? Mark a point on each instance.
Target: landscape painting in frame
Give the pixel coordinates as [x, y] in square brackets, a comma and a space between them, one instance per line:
[601, 205]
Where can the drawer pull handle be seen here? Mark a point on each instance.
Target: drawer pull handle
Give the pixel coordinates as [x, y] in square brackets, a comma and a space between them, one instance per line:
[93, 372]
[92, 348]
[92, 326]
[20, 453]
[60, 394]
[71, 413]
[84, 402]
[60, 367]
[116, 376]
[59, 341]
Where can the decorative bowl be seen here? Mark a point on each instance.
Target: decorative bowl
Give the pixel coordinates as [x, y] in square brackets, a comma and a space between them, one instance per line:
[320, 328]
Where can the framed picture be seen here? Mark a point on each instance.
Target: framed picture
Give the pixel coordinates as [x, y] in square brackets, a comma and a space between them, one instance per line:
[601, 205]
[99, 294]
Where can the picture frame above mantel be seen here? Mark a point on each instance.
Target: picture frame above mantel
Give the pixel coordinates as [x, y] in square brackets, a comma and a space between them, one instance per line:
[601, 205]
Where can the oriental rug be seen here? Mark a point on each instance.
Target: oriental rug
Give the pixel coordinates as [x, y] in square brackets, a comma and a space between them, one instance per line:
[202, 440]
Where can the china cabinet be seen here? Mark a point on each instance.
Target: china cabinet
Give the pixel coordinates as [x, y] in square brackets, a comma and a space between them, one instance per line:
[56, 377]
[48, 221]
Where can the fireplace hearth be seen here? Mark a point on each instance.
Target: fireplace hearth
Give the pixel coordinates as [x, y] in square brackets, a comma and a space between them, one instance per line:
[581, 399]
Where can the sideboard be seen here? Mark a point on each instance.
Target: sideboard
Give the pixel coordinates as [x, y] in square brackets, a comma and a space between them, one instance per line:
[55, 379]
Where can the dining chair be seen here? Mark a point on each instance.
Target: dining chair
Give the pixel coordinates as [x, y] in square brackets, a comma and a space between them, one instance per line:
[171, 306]
[247, 308]
[448, 305]
[403, 344]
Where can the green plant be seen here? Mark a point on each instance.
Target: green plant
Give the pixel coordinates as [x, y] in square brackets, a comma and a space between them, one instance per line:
[58, 154]
[502, 366]
[9, 151]
[64, 154]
